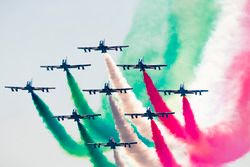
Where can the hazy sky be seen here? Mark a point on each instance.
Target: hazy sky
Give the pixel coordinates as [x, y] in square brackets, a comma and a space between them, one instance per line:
[35, 33]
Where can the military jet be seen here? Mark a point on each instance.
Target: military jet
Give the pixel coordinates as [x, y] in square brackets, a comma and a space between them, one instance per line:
[112, 144]
[149, 114]
[141, 66]
[65, 66]
[182, 91]
[103, 48]
[76, 117]
[29, 88]
[107, 90]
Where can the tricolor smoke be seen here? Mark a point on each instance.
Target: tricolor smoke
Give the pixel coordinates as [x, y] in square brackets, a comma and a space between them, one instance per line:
[129, 102]
[234, 132]
[181, 32]
[57, 130]
[96, 157]
[162, 149]
[174, 32]
[83, 108]
[207, 149]
[160, 106]
[139, 152]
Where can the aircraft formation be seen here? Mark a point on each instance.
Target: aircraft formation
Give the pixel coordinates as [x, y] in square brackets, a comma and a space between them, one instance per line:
[108, 90]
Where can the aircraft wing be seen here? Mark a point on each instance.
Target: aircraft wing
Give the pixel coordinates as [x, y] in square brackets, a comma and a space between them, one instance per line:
[127, 144]
[196, 91]
[122, 90]
[14, 88]
[95, 145]
[90, 116]
[163, 114]
[50, 67]
[117, 47]
[154, 66]
[126, 66]
[43, 89]
[79, 66]
[168, 92]
[92, 91]
[87, 49]
[134, 115]
[61, 117]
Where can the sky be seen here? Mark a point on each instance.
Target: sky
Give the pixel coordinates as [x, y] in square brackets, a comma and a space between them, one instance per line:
[35, 33]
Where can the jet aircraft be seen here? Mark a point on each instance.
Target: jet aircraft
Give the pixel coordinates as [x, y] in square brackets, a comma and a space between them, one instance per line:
[149, 114]
[103, 48]
[65, 66]
[107, 89]
[29, 88]
[112, 144]
[182, 91]
[76, 117]
[140, 65]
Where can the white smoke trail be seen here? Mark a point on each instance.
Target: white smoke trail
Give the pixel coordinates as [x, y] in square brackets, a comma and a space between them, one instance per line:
[118, 160]
[143, 155]
[129, 102]
[210, 74]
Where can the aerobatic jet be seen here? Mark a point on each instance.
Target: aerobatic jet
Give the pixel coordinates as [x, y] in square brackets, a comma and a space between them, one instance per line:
[29, 88]
[141, 66]
[103, 48]
[182, 91]
[76, 117]
[149, 114]
[65, 66]
[112, 144]
[107, 90]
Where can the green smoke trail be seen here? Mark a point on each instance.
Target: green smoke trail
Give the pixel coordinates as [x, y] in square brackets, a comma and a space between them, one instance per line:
[100, 129]
[147, 142]
[147, 38]
[96, 157]
[174, 32]
[57, 130]
[195, 22]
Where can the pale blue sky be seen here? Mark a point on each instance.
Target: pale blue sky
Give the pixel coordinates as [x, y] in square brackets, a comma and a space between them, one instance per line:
[35, 33]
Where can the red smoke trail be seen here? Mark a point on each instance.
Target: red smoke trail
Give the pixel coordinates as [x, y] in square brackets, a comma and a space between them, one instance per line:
[231, 140]
[162, 150]
[191, 127]
[159, 105]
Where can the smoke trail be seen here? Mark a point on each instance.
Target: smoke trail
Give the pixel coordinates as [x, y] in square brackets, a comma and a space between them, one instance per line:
[195, 20]
[57, 130]
[83, 108]
[118, 160]
[129, 102]
[96, 157]
[231, 139]
[146, 141]
[191, 127]
[160, 106]
[139, 152]
[176, 29]
[162, 150]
